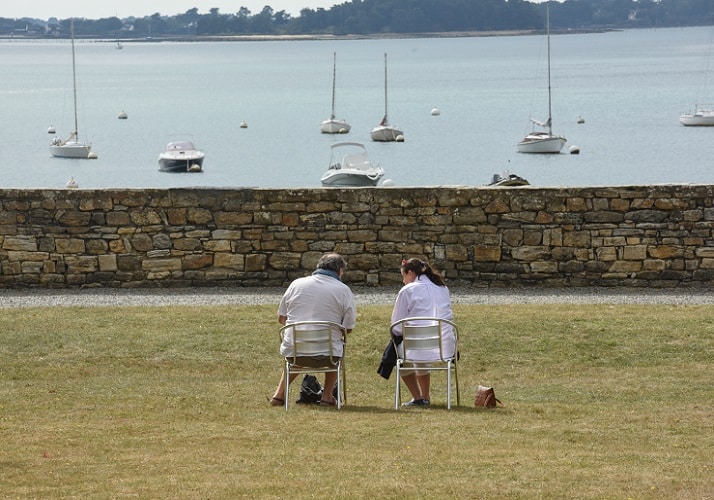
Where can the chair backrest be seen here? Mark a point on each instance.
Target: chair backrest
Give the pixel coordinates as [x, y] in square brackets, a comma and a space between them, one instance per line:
[312, 342]
[421, 334]
[313, 338]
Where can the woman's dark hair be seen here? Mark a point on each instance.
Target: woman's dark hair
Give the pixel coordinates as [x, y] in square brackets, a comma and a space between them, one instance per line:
[420, 267]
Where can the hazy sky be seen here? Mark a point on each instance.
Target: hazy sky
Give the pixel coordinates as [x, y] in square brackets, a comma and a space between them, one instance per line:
[97, 9]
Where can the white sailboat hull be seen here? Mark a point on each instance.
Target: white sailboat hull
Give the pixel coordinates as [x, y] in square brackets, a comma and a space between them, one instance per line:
[700, 118]
[71, 150]
[385, 133]
[541, 142]
[335, 126]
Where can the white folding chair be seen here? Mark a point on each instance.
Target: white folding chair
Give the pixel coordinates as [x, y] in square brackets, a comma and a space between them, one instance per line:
[422, 348]
[316, 338]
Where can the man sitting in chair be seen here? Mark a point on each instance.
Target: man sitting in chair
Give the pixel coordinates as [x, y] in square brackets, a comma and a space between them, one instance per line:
[319, 297]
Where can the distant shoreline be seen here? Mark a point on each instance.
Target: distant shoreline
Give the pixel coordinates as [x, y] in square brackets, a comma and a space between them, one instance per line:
[314, 37]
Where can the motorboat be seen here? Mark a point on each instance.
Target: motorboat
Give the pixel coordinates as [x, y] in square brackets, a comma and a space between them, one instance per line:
[72, 147]
[703, 116]
[334, 125]
[508, 180]
[543, 141]
[384, 132]
[181, 156]
[350, 166]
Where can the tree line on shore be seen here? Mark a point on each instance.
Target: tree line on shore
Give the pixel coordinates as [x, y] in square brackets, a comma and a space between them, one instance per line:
[375, 17]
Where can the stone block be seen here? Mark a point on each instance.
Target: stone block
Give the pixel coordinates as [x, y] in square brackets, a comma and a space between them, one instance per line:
[161, 265]
[18, 242]
[487, 254]
[199, 216]
[196, 261]
[530, 254]
[107, 263]
[145, 217]
[634, 252]
[664, 251]
[69, 245]
[255, 262]
[141, 242]
[705, 252]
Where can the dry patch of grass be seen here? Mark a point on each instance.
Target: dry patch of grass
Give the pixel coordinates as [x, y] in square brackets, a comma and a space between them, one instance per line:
[170, 402]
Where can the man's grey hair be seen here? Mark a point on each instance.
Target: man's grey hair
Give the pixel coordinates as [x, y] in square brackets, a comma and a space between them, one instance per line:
[332, 262]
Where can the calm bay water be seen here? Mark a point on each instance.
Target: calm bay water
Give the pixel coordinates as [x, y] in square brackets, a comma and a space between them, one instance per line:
[630, 87]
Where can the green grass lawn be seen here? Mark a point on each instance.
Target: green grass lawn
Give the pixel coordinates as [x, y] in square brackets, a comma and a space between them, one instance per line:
[172, 402]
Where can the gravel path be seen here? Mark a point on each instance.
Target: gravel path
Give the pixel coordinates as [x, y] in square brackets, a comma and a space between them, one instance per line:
[364, 296]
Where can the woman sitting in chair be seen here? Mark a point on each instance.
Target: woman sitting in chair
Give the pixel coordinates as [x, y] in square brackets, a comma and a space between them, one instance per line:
[424, 294]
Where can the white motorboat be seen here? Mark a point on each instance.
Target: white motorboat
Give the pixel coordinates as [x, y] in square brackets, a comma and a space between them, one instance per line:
[181, 156]
[350, 166]
[542, 141]
[508, 180]
[703, 116]
[72, 147]
[384, 132]
[334, 125]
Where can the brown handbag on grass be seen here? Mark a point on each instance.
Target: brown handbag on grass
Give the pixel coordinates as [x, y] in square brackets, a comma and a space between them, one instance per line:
[486, 397]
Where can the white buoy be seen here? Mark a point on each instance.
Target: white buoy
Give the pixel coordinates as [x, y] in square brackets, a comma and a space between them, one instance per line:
[387, 182]
[72, 184]
[243, 125]
[51, 130]
[435, 111]
[574, 150]
[123, 115]
[343, 130]
[399, 138]
[93, 156]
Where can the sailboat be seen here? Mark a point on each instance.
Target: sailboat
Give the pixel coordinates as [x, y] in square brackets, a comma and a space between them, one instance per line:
[703, 114]
[334, 125]
[72, 147]
[538, 141]
[384, 132]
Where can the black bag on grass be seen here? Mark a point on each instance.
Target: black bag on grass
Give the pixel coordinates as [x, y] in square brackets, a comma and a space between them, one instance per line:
[310, 390]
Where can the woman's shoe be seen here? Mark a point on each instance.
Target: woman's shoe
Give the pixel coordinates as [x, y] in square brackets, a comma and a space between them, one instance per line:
[277, 402]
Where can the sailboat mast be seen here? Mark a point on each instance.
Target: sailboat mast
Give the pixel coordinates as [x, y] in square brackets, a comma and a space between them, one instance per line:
[547, 24]
[385, 88]
[74, 83]
[334, 76]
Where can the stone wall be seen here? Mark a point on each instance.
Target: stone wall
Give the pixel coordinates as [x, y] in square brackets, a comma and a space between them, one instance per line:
[655, 236]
